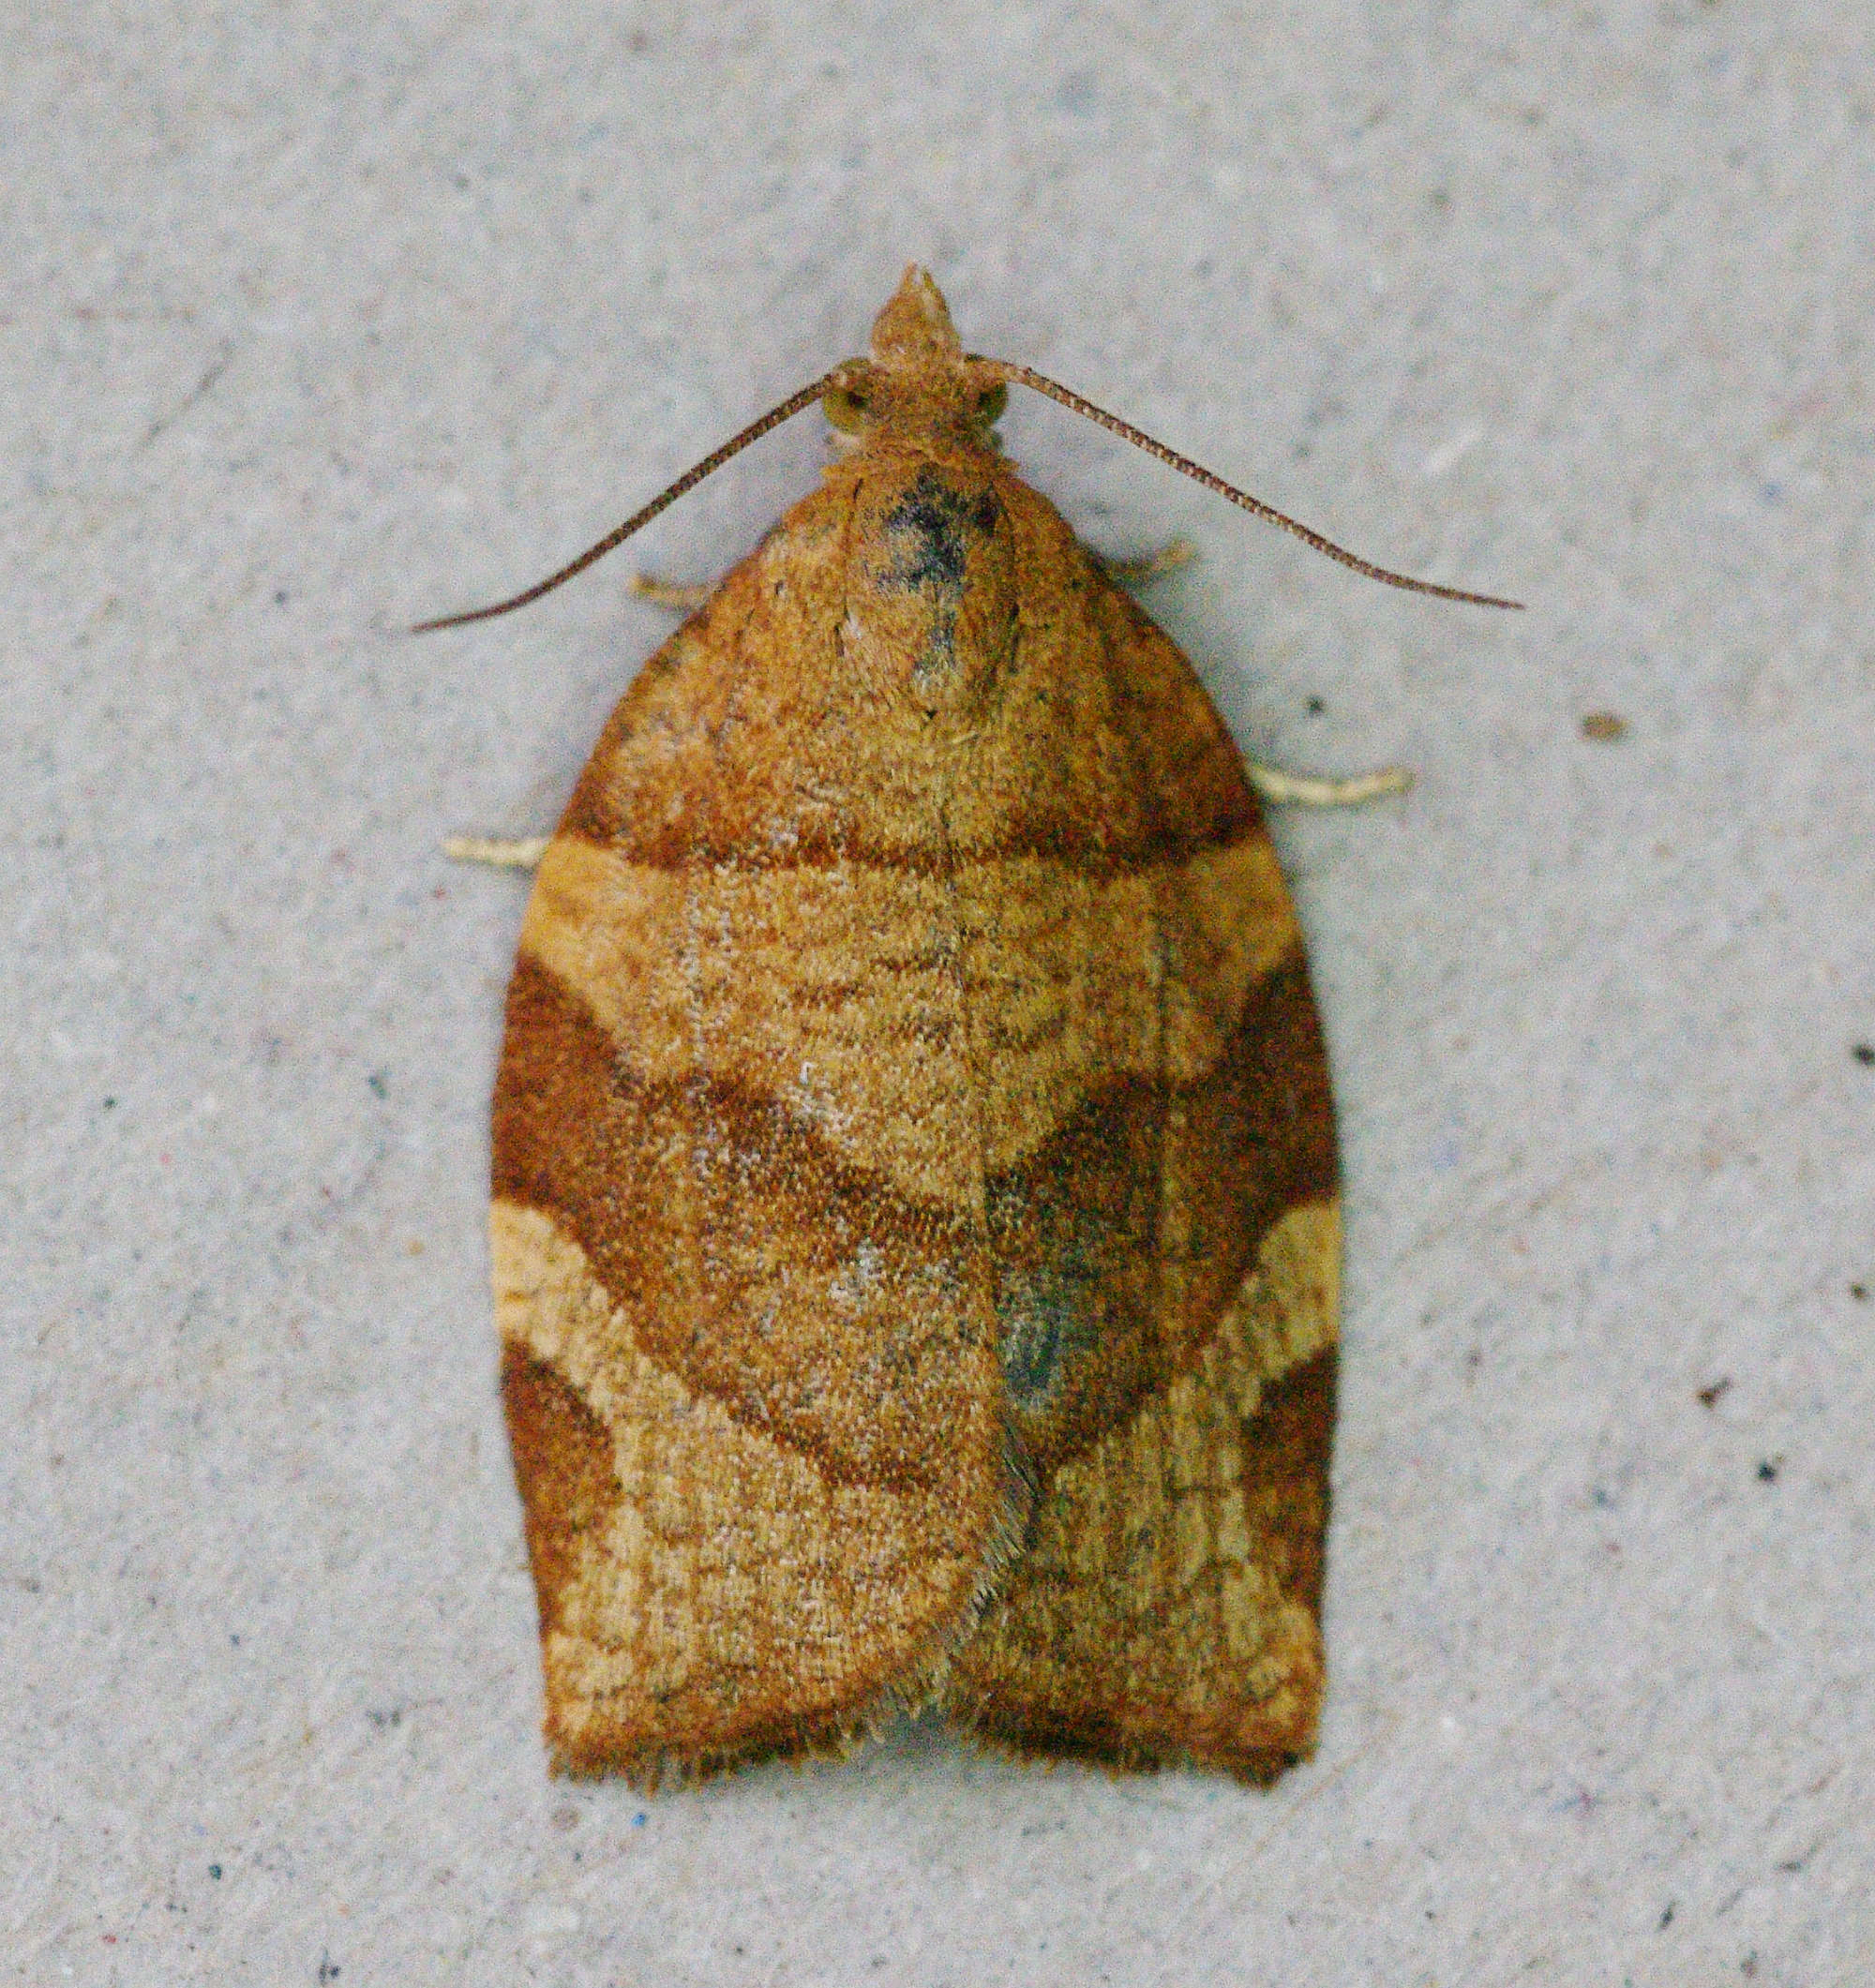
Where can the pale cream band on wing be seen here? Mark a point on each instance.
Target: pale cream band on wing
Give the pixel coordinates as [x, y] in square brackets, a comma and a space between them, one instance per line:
[1154, 1521]
[726, 1555]
[670, 1598]
[773, 979]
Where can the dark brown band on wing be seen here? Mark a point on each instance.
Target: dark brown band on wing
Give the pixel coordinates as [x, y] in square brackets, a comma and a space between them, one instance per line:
[730, 1236]
[1063, 1731]
[1257, 1136]
[563, 1466]
[1089, 1691]
[1120, 1240]
[1286, 1476]
[815, 844]
[703, 1210]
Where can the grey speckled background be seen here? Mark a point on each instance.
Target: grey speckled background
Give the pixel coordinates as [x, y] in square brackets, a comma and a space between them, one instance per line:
[317, 319]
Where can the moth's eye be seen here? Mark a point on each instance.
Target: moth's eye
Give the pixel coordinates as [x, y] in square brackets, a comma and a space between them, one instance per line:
[990, 405]
[844, 408]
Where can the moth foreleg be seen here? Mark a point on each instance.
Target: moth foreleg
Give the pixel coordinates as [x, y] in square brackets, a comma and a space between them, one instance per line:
[521, 852]
[1174, 553]
[673, 594]
[1311, 791]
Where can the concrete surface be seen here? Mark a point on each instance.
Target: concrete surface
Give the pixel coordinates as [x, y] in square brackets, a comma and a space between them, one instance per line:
[320, 319]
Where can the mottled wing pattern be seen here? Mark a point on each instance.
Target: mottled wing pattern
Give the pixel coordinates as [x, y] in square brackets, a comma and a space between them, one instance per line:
[751, 1372]
[1163, 1205]
[914, 1221]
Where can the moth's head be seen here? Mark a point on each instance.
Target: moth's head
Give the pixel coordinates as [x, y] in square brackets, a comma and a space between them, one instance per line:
[919, 377]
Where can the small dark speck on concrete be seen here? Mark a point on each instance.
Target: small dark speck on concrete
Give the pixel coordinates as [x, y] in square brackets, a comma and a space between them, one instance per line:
[1316, 707]
[280, 597]
[1767, 1470]
[640, 1820]
[1604, 727]
[1709, 1396]
[1667, 1917]
[215, 1871]
[1864, 1053]
[379, 1086]
[1859, 1293]
[328, 1968]
[110, 1104]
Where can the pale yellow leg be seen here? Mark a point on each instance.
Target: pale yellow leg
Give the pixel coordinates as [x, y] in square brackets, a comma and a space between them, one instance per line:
[523, 852]
[673, 594]
[1308, 790]
[1174, 553]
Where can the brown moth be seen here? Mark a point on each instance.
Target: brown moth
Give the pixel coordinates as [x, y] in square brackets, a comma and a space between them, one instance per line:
[914, 1219]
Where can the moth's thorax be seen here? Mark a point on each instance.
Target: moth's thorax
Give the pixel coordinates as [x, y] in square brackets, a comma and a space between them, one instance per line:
[931, 600]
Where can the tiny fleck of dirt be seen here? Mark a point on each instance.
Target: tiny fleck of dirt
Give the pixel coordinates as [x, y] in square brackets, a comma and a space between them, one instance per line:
[1859, 1293]
[1864, 1053]
[1767, 1470]
[1604, 727]
[1709, 1395]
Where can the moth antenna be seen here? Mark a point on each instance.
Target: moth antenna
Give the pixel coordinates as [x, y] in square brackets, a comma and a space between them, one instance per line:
[638, 519]
[1242, 498]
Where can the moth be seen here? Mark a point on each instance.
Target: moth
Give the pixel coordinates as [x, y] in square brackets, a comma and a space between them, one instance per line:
[914, 1223]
